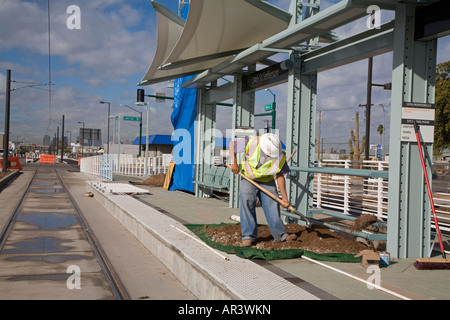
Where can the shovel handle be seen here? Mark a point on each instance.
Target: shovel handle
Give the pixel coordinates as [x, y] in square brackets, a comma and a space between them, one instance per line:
[270, 194]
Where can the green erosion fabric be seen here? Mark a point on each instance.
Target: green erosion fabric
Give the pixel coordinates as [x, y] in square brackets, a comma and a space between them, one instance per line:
[255, 253]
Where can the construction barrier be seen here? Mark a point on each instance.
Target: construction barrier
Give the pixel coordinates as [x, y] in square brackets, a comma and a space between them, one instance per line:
[79, 160]
[13, 163]
[47, 158]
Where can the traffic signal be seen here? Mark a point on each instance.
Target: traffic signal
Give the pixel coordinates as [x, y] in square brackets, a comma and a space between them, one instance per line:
[140, 95]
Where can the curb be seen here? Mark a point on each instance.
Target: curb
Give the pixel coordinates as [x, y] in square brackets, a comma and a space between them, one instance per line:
[5, 180]
[205, 273]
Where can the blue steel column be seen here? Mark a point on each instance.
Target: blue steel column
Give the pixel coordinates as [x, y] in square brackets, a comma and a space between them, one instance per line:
[413, 80]
[243, 116]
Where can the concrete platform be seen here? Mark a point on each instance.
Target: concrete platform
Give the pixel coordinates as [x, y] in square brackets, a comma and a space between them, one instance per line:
[156, 220]
[207, 273]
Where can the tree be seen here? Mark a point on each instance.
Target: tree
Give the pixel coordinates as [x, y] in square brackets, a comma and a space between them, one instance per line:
[442, 113]
[356, 147]
[380, 130]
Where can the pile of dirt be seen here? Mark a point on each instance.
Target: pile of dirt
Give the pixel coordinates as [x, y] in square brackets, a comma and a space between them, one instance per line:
[364, 220]
[317, 239]
[155, 180]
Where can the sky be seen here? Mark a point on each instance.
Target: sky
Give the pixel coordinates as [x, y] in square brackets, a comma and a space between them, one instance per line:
[110, 52]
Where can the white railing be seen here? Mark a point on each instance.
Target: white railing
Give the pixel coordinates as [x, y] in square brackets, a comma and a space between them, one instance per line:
[351, 194]
[136, 166]
[127, 166]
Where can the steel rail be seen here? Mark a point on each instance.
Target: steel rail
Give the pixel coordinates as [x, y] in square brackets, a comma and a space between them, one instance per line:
[110, 273]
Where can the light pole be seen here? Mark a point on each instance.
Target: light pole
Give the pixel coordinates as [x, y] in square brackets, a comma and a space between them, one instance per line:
[274, 111]
[384, 130]
[386, 86]
[70, 136]
[82, 140]
[109, 110]
[118, 137]
[141, 102]
[7, 118]
[70, 139]
[140, 126]
[62, 140]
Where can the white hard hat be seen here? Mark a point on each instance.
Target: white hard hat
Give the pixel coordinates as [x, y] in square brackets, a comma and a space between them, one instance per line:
[270, 144]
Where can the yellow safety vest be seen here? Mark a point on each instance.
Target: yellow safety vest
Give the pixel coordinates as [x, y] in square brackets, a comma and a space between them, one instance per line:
[250, 161]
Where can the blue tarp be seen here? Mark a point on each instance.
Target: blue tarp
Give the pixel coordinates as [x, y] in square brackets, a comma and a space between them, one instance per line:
[222, 142]
[183, 120]
[155, 139]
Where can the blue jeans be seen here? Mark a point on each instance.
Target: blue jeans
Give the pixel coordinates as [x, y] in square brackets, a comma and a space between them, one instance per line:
[248, 194]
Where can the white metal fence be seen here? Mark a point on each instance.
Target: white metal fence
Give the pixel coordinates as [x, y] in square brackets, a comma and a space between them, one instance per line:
[351, 194]
[127, 166]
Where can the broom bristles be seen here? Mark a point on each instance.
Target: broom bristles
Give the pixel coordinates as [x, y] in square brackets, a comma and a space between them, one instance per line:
[432, 264]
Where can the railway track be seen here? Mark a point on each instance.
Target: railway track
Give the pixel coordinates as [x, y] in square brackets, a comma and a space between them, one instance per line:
[47, 250]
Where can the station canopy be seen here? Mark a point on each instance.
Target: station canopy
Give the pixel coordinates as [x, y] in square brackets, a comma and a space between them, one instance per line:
[214, 31]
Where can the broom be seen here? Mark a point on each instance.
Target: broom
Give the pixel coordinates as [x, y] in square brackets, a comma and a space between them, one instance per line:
[430, 263]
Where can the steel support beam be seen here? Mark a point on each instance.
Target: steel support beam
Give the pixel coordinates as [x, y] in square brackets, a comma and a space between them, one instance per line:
[358, 47]
[413, 80]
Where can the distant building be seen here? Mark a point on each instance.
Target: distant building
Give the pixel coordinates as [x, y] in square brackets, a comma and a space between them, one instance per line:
[90, 137]
[158, 144]
[46, 141]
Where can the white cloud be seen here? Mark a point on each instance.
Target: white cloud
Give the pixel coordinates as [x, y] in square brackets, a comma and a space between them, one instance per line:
[106, 44]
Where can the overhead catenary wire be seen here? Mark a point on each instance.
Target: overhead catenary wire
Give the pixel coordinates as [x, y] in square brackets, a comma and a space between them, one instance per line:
[49, 68]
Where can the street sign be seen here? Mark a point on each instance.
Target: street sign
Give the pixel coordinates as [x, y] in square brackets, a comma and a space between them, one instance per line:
[131, 118]
[266, 77]
[160, 97]
[268, 107]
[423, 115]
[379, 151]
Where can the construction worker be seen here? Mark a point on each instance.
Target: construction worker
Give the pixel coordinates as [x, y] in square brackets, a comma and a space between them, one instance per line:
[262, 160]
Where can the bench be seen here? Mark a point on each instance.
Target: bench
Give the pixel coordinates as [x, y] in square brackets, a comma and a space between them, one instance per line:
[216, 179]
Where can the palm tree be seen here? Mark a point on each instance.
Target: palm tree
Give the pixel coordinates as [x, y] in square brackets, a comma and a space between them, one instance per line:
[380, 130]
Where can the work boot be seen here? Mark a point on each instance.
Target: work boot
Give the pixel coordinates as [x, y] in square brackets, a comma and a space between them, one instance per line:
[247, 243]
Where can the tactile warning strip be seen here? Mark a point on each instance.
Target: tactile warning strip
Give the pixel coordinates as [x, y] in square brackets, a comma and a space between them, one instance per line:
[117, 188]
[207, 274]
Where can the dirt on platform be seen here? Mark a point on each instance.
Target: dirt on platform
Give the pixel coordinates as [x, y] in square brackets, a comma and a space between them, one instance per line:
[4, 174]
[317, 239]
[155, 180]
[364, 221]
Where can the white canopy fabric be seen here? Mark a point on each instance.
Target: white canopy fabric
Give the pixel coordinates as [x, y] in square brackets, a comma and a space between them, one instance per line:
[170, 27]
[214, 31]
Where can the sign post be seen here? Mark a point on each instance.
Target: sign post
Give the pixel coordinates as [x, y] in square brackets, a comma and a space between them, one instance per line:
[423, 114]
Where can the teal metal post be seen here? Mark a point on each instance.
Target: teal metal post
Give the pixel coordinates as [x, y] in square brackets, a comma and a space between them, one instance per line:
[300, 135]
[243, 116]
[413, 79]
[301, 109]
[206, 116]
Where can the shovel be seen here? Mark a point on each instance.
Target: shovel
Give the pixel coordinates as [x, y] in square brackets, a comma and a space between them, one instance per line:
[274, 197]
